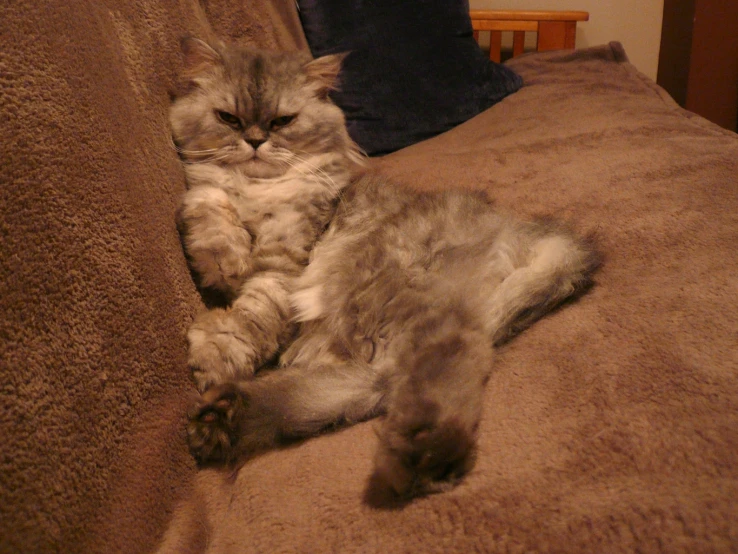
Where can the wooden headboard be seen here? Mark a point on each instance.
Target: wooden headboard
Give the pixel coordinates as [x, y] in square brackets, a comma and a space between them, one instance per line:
[556, 29]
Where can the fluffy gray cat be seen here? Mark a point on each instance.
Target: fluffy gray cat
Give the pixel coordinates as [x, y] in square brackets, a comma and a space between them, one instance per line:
[376, 299]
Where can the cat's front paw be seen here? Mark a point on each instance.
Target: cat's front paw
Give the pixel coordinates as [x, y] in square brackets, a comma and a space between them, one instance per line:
[218, 352]
[422, 459]
[213, 430]
[234, 260]
[224, 262]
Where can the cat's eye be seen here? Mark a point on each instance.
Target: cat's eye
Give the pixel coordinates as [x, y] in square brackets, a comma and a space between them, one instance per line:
[282, 121]
[229, 119]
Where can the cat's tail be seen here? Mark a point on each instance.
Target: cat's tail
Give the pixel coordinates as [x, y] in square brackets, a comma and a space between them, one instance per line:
[559, 267]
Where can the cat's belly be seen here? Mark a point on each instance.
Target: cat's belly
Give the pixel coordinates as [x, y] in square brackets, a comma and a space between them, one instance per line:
[283, 224]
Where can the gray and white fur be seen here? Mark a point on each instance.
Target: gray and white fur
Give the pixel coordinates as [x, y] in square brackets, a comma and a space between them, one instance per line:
[378, 300]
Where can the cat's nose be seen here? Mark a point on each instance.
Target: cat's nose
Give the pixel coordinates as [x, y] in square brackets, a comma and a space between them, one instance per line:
[255, 142]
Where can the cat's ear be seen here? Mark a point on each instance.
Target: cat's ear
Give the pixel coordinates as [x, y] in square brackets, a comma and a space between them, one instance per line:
[323, 72]
[199, 56]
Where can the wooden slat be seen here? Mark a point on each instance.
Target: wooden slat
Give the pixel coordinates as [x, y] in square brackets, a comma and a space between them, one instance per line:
[489, 25]
[551, 35]
[556, 29]
[571, 35]
[555, 35]
[495, 46]
[525, 15]
[518, 43]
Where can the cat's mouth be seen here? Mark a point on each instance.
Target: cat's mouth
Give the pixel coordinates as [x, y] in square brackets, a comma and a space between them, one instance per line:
[259, 166]
[256, 155]
[243, 157]
[258, 163]
[259, 158]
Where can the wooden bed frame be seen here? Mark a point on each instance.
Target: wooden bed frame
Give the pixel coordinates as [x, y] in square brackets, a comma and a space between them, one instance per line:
[556, 29]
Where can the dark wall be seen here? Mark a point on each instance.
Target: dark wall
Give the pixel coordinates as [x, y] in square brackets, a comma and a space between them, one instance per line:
[698, 62]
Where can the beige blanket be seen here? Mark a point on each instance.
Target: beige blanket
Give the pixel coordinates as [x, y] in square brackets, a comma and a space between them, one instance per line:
[610, 426]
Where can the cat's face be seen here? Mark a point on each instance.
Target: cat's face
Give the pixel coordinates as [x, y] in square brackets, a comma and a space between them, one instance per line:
[255, 111]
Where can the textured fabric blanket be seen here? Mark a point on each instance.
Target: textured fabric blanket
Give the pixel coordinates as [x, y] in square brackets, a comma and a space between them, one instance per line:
[610, 426]
[96, 296]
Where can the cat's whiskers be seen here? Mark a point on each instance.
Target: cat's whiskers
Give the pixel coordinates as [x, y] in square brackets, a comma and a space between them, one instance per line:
[335, 189]
[194, 152]
[316, 171]
[191, 152]
[304, 167]
[290, 162]
[203, 155]
[206, 155]
[281, 156]
[207, 159]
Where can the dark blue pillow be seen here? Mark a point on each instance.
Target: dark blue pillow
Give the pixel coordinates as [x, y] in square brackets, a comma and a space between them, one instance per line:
[414, 69]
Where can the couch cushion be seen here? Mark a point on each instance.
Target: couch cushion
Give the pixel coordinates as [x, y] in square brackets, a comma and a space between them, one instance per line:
[395, 88]
[96, 296]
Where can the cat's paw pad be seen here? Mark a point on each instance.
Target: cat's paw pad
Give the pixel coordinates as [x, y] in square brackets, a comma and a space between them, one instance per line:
[421, 460]
[213, 430]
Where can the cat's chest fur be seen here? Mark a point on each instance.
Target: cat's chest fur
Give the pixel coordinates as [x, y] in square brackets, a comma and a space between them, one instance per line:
[291, 209]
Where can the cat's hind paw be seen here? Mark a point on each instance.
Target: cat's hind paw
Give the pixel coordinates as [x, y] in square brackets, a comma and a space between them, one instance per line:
[420, 460]
[213, 430]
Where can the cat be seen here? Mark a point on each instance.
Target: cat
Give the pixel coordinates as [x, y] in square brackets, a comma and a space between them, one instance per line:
[259, 195]
[378, 300]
